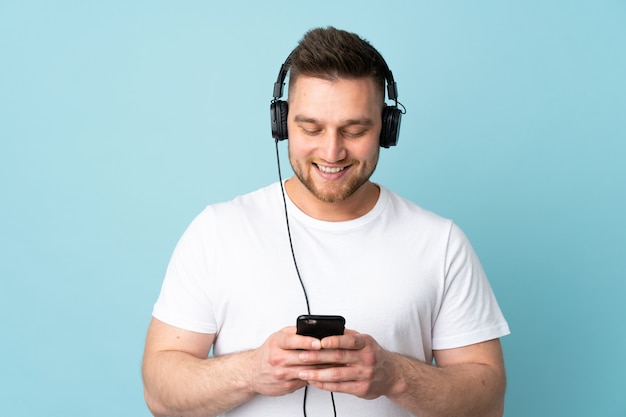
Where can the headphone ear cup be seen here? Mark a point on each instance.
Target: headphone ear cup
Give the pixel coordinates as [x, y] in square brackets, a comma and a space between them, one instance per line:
[390, 130]
[278, 115]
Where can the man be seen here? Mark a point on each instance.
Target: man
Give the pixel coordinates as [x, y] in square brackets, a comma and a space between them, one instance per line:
[423, 327]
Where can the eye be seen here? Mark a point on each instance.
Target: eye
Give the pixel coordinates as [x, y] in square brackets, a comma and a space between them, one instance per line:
[310, 131]
[354, 133]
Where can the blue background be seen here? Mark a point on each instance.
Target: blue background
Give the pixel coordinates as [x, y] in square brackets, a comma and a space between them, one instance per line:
[120, 121]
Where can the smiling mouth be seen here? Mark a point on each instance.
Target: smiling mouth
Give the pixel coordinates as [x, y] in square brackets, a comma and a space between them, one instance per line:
[329, 170]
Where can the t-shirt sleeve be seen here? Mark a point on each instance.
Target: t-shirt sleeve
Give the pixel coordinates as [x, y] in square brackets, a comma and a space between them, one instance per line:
[184, 300]
[469, 312]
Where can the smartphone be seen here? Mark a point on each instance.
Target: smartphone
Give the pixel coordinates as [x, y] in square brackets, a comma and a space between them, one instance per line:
[320, 326]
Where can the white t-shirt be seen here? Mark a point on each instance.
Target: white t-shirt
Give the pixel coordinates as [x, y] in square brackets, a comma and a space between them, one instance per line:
[401, 274]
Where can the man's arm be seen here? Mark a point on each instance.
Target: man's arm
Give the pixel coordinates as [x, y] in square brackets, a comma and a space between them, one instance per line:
[180, 380]
[467, 381]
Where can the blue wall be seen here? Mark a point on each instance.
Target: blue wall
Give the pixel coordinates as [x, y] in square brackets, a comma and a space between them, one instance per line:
[120, 121]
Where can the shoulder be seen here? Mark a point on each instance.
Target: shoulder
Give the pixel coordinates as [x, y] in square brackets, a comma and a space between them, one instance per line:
[427, 224]
[252, 211]
[258, 201]
[411, 213]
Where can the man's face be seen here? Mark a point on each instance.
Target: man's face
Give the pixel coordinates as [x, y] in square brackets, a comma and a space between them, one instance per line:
[334, 134]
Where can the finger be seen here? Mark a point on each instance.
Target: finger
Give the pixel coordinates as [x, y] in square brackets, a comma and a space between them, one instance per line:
[356, 388]
[330, 374]
[350, 341]
[343, 386]
[329, 357]
[292, 341]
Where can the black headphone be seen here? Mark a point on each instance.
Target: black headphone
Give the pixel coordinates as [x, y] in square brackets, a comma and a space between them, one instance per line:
[389, 132]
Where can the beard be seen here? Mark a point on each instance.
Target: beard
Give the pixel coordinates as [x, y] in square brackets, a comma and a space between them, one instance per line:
[334, 192]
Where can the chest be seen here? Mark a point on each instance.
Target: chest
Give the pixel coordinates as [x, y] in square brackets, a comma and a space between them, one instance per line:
[383, 287]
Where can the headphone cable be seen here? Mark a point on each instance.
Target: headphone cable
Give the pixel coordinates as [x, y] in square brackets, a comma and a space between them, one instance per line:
[293, 253]
[295, 263]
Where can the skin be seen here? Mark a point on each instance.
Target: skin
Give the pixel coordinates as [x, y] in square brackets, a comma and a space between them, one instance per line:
[334, 129]
[334, 125]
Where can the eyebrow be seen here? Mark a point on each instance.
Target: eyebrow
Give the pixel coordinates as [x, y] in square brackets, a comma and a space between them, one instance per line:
[365, 121]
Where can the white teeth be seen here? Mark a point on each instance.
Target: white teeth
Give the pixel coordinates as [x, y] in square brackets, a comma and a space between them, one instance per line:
[329, 170]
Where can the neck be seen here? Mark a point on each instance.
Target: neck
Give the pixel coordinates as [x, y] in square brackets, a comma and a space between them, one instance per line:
[356, 205]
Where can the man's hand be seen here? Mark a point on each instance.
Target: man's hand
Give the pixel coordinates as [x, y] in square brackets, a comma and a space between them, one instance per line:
[353, 363]
[275, 367]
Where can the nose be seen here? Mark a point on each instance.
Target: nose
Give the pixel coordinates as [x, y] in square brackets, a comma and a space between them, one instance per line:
[332, 147]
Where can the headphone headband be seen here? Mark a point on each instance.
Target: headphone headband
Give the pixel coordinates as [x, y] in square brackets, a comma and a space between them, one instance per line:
[392, 86]
[282, 74]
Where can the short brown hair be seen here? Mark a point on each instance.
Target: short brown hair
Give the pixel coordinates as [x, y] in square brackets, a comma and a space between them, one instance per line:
[330, 53]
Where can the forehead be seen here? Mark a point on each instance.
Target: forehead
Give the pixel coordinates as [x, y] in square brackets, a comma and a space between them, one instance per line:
[295, 74]
[339, 94]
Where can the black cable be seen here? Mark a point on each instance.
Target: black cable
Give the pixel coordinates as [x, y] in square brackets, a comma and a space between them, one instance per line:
[295, 263]
[293, 254]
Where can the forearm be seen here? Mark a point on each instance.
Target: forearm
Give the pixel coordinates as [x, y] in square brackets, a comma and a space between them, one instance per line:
[177, 383]
[457, 390]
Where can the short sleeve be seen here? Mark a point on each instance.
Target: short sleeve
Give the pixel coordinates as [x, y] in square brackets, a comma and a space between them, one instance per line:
[184, 300]
[469, 312]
